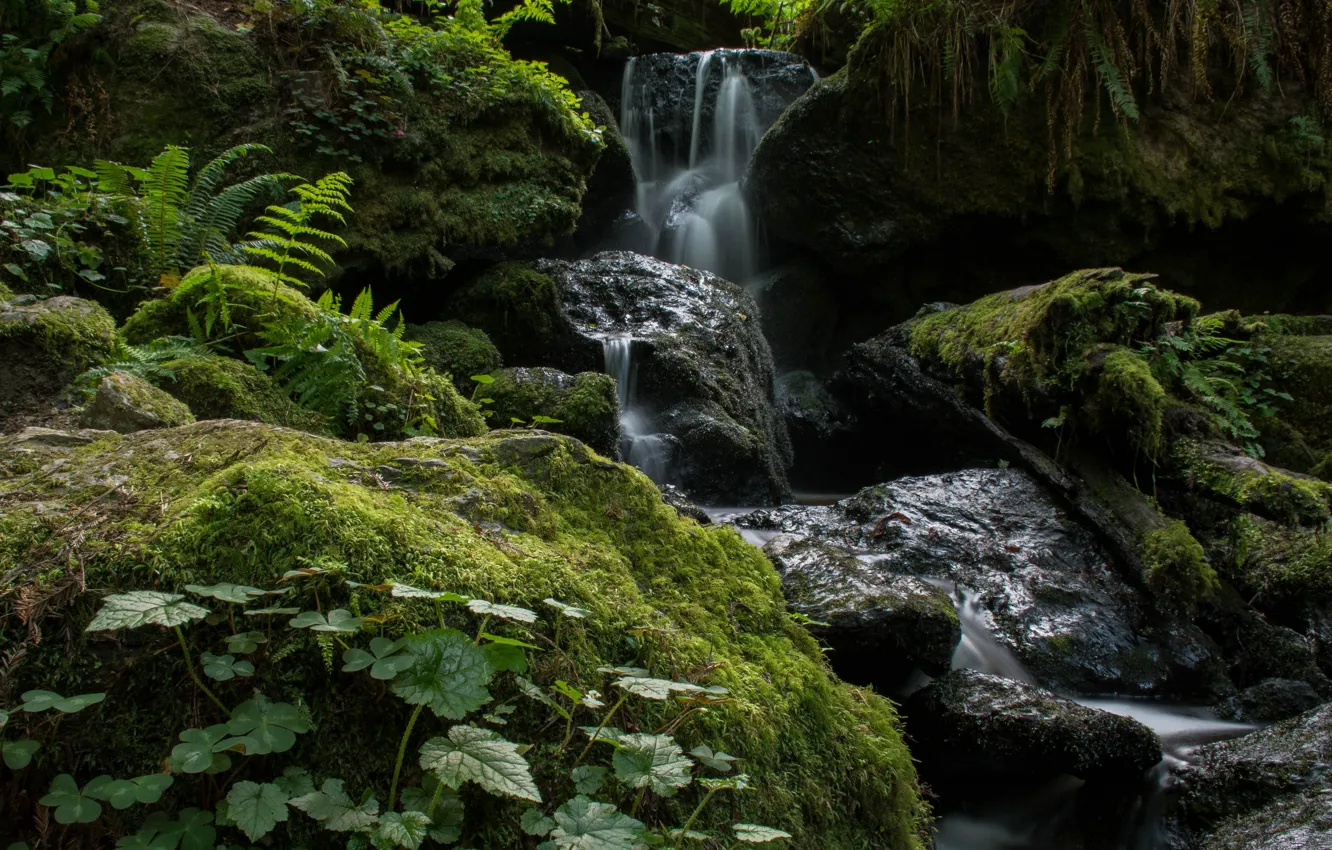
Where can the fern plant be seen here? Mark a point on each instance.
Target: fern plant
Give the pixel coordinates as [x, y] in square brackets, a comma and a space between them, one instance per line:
[32, 31]
[292, 239]
[144, 361]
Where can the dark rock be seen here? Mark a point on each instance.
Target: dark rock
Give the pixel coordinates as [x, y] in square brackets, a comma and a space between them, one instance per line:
[970, 726]
[675, 497]
[585, 404]
[452, 348]
[44, 345]
[610, 189]
[821, 430]
[1049, 587]
[127, 403]
[1267, 776]
[1275, 699]
[880, 626]
[799, 310]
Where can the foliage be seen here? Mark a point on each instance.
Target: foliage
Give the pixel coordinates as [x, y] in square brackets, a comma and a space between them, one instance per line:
[32, 31]
[292, 235]
[149, 362]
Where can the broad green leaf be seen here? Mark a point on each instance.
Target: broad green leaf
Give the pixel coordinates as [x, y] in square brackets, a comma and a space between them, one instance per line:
[500, 714]
[504, 657]
[386, 658]
[531, 691]
[236, 594]
[739, 782]
[263, 727]
[588, 778]
[449, 674]
[18, 754]
[338, 620]
[195, 752]
[504, 612]
[335, 810]
[506, 641]
[718, 761]
[145, 608]
[608, 734]
[256, 808]
[295, 781]
[592, 699]
[585, 825]
[649, 688]
[533, 822]
[270, 612]
[406, 591]
[752, 833]
[651, 761]
[483, 379]
[245, 642]
[483, 757]
[567, 609]
[120, 793]
[43, 700]
[402, 829]
[446, 815]
[224, 667]
[624, 671]
[70, 805]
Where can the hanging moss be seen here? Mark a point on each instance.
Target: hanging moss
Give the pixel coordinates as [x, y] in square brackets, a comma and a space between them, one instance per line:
[1129, 399]
[1176, 565]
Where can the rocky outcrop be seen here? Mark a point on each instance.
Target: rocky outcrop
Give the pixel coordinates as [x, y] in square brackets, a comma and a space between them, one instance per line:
[971, 727]
[222, 388]
[1051, 589]
[127, 403]
[880, 626]
[700, 372]
[585, 404]
[44, 345]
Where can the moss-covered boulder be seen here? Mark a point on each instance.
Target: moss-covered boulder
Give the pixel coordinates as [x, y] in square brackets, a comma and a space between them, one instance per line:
[452, 348]
[519, 307]
[127, 403]
[586, 404]
[510, 518]
[223, 388]
[46, 344]
[1301, 366]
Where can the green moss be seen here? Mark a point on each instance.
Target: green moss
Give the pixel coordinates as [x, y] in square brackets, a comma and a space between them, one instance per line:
[586, 404]
[517, 306]
[46, 344]
[1251, 484]
[5, 292]
[126, 402]
[1302, 367]
[1129, 399]
[513, 519]
[1281, 565]
[457, 350]
[222, 388]
[1176, 566]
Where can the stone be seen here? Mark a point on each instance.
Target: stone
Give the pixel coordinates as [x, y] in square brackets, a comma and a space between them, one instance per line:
[585, 404]
[127, 403]
[1275, 699]
[45, 344]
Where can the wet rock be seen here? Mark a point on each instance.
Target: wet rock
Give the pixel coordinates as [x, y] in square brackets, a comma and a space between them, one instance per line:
[610, 189]
[675, 497]
[46, 344]
[1267, 784]
[585, 404]
[127, 403]
[970, 726]
[880, 626]
[1049, 588]
[799, 311]
[1275, 699]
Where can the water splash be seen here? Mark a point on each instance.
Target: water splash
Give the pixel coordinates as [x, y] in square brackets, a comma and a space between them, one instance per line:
[651, 453]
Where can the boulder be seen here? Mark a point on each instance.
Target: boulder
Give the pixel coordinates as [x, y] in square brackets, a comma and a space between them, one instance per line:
[610, 189]
[1050, 588]
[585, 404]
[222, 388]
[822, 432]
[799, 310]
[1248, 792]
[454, 349]
[44, 345]
[974, 727]
[1275, 699]
[880, 626]
[127, 403]
[689, 356]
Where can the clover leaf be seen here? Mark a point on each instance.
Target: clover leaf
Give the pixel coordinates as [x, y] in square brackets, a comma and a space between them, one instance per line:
[651, 761]
[586, 825]
[195, 752]
[386, 658]
[193, 830]
[567, 609]
[587, 779]
[752, 833]
[245, 642]
[145, 608]
[718, 761]
[504, 612]
[483, 757]
[42, 700]
[71, 806]
[335, 810]
[18, 754]
[123, 793]
[338, 620]
[449, 674]
[263, 727]
[402, 829]
[255, 808]
[224, 667]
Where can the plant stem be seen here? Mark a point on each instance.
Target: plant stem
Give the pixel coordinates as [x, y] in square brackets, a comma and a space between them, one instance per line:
[439, 789]
[402, 751]
[638, 801]
[484, 622]
[604, 721]
[189, 665]
[439, 612]
[694, 816]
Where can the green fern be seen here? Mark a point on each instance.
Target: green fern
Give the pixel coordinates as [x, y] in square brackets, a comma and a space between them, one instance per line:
[143, 361]
[292, 239]
[1121, 95]
[1258, 36]
[1006, 55]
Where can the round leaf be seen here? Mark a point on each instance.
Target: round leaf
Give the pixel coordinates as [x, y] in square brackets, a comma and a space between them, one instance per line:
[504, 612]
[752, 833]
[263, 727]
[449, 674]
[586, 825]
[42, 700]
[483, 757]
[18, 754]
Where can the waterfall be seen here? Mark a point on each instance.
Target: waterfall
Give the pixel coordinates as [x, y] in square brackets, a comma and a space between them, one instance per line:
[650, 452]
[691, 198]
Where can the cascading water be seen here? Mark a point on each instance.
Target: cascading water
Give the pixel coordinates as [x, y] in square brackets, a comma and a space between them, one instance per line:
[651, 453]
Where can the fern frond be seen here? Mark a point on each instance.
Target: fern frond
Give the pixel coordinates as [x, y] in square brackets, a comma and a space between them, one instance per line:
[165, 188]
[1121, 95]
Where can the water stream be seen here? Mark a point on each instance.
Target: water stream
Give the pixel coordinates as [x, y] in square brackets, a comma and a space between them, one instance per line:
[651, 453]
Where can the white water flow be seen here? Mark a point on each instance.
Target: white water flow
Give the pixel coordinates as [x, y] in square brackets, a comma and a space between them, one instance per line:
[651, 453]
[694, 208]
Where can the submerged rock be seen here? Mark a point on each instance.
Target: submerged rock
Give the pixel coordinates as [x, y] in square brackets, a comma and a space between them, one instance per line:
[1049, 587]
[880, 626]
[128, 403]
[973, 727]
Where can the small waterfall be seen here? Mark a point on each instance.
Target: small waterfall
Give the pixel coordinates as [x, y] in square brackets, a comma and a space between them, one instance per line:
[650, 453]
[691, 200]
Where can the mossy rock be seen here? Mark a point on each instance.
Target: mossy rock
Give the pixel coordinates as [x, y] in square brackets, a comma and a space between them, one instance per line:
[1221, 473]
[222, 388]
[452, 348]
[586, 404]
[46, 344]
[520, 309]
[127, 403]
[1280, 566]
[511, 518]
[1302, 367]
[1176, 565]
